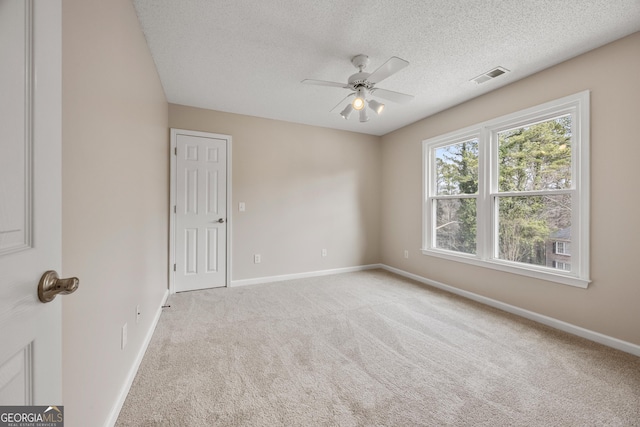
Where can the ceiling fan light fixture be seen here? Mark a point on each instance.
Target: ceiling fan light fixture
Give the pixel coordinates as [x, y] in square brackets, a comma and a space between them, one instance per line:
[347, 111]
[364, 117]
[359, 102]
[376, 106]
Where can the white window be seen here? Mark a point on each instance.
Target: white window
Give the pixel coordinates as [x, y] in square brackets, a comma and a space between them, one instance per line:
[562, 265]
[500, 193]
[562, 248]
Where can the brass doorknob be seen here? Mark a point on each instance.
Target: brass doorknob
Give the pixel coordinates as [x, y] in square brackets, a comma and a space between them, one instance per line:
[51, 285]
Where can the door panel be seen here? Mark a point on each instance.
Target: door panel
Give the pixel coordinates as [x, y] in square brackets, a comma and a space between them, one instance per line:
[15, 375]
[201, 212]
[211, 192]
[212, 250]
[30, 200]
[15, 179]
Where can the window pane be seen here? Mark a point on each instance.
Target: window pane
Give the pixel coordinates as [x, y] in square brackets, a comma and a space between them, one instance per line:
[561, 265]
[536, 157]
[529, 226]
[457, 168]
[456, 225]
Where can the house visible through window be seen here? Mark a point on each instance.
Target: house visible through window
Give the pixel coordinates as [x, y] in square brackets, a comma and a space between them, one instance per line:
[512, 193]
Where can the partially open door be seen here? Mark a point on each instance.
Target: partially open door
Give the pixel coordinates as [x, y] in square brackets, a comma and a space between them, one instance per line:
[30, 201]
[200, 211]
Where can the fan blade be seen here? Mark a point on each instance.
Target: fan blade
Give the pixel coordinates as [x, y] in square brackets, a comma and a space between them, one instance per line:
[324, 83]
[392, 66]
[343, 99]
[400, 98]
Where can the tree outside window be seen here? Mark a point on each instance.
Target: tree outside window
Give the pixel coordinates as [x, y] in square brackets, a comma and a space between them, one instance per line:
[534, 167]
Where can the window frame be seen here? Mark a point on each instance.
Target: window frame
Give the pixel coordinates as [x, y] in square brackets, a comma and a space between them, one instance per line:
[486, 255]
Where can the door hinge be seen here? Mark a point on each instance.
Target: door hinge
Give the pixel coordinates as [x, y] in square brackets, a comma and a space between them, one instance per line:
[175, 151]
[174, 267]
[175, 209]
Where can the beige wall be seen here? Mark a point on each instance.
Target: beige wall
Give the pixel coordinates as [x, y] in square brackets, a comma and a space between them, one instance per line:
[610, 304]
[306, 189]
[115, 196]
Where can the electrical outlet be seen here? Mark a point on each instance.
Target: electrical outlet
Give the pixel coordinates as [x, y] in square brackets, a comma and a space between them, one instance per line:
[406, 253]
[138, 314]
[124, 337]
[257, 259]
[324, 252]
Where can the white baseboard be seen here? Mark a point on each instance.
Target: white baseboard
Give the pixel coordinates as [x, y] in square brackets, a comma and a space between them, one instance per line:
[115, 412]
[270, 279]
[540, 318]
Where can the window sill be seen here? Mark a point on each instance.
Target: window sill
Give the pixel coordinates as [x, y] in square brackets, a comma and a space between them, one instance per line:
[510, 267]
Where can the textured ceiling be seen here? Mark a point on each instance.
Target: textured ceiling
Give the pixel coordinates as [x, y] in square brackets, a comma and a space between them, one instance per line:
[249, 56]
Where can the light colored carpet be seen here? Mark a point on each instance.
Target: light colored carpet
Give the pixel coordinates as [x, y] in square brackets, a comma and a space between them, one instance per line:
[370, 349]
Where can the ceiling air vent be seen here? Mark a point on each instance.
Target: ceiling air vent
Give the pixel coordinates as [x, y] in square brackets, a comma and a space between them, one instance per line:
[491, 74]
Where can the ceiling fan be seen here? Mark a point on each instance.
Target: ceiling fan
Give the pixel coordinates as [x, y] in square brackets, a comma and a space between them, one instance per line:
[362, 84]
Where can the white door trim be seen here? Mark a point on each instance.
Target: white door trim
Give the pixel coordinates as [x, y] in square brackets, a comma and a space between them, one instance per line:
[172, 202]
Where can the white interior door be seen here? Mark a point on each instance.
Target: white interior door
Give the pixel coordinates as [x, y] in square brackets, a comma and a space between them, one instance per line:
[201, 211]
[30, 200]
